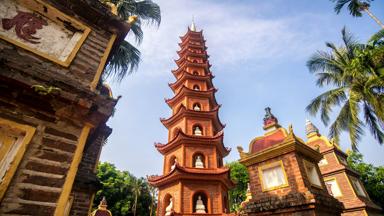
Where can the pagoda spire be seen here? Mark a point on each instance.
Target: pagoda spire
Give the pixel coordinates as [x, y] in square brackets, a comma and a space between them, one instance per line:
[193, 26]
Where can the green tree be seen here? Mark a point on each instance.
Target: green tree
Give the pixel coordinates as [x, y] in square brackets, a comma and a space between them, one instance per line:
[355, 8]
[126, 58]
[239, 175]
[371, 176]
[354, 73]
[119, 190]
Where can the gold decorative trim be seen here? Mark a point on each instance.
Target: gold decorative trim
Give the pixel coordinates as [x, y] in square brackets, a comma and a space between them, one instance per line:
[53, 11]
[67, 188]
[270, 165]
[102, 62]
[29, 132]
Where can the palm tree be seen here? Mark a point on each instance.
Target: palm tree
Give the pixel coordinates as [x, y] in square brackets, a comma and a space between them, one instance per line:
[126, 58]
[357, 86]
[136, 189]
[355, 8]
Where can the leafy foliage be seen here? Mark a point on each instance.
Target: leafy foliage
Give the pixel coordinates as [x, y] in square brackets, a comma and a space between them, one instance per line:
[354, 6]
[239, 175]
[371, 176]
[126, 58]
[354, 72]
[125, 194]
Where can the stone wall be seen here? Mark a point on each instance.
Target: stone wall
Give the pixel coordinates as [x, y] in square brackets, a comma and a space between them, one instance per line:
[59, 118]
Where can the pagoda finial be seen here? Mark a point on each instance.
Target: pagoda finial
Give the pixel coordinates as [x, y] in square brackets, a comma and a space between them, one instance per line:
[270, 121]
[193, 26]
[310, 128]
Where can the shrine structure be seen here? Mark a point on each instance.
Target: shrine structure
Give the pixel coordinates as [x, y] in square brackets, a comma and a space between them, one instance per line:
[284, 175]
[342, 182]
[53, 104]
[194, 179]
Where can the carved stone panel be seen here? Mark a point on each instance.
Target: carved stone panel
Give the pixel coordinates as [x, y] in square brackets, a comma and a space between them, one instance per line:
[41, 29]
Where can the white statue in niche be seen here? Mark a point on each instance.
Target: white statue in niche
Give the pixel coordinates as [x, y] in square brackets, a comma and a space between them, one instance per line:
[200, 207]
[168, 210]
[196, 107]
[174, 164]
[197, 131]
[198, 162]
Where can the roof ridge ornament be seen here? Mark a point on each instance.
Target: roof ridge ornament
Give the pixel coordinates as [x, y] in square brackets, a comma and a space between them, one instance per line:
[270, 121]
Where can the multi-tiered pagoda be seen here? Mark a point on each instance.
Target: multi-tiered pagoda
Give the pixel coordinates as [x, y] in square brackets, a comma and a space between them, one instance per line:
[194, 179]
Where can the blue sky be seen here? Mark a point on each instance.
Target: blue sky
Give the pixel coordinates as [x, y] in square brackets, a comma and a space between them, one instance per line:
[258, 50]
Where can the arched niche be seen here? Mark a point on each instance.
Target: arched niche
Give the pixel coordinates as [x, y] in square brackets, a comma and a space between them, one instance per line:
[197, 130]
[172, 162]
[203, 160]
[204, 198]
[196, 107]
[166, 202]
[196, 87]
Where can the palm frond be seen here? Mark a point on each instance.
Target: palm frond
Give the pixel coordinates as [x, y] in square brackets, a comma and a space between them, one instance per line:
[378, 36]
[355, 124]
[325, 101]
[124, 61]
[340, 123]
[373, 126]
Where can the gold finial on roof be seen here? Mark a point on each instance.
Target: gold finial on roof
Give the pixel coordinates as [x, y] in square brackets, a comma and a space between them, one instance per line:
[193, 26]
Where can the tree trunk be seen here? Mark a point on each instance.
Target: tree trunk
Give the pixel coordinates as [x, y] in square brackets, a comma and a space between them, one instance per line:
[373, 17]
[134, 210]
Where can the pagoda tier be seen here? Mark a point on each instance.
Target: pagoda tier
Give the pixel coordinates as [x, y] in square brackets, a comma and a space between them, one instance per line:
[187, 92]
[188, 76]
[186, 68]
[193, 167]
[183, 112]
[181, 137]
[179, 173]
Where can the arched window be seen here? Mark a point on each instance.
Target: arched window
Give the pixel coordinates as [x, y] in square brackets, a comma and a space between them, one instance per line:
[200, 202]
[172, 163]
[196, 87]
[197, 107]
[198, 160]
[195, 73]
[197, 130]
[194, 61]
[167, 205]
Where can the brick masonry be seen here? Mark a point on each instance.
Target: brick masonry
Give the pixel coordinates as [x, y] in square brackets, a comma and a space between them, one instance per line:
[58, 118]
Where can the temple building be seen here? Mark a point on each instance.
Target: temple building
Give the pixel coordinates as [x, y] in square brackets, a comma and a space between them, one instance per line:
[284, 176]
[194, 179]
[342, 182]
[53, 106]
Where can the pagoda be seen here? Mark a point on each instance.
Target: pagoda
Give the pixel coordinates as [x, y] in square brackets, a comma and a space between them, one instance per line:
[341, 180]
[194, 179]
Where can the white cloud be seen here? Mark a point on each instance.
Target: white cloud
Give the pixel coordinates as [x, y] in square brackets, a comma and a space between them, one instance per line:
[234, 35]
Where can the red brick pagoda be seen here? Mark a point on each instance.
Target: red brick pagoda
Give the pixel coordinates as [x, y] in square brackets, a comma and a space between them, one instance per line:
[194, 179]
